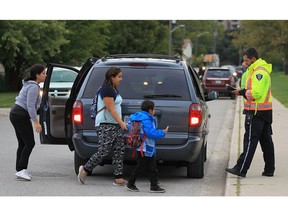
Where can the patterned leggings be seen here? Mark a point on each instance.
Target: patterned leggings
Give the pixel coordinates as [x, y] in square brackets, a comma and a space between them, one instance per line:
[110, 138]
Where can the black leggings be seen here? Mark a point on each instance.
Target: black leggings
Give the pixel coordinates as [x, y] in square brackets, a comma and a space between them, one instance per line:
[25, 136]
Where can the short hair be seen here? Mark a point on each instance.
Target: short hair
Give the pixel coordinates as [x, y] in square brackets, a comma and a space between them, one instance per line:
[251, 52]
[146, 105]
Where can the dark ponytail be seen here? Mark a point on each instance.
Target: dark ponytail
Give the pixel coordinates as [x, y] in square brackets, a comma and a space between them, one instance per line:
[111, 72]
[34, 70]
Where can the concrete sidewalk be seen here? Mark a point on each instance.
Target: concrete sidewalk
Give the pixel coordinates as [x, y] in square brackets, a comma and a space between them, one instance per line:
[255, 184]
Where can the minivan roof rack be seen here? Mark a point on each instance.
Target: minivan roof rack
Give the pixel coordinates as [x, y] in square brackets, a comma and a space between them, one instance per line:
[156, 56]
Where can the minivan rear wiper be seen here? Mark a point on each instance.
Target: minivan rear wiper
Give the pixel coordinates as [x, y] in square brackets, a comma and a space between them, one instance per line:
[162, 96]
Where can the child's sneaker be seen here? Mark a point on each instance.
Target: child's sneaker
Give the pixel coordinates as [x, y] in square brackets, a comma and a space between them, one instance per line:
[156, 189]
[132, 188]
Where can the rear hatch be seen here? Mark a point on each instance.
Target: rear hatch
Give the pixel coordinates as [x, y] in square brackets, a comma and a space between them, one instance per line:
[166, 86]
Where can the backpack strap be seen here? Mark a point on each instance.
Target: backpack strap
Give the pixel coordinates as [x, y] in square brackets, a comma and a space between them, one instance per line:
[101, 109]
[141, 147]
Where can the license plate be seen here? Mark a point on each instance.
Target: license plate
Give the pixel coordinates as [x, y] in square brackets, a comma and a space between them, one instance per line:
[218, 82]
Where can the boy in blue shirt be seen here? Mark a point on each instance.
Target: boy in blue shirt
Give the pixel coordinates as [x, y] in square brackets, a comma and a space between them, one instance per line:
[148, 160]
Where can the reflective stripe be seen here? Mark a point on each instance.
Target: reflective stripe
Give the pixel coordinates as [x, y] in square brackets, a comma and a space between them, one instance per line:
[248, 146]
[249, 96]
[268, 95]
[258, 106]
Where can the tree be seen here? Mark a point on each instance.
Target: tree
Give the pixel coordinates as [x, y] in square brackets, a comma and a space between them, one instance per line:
[229, 54]
[270, 37]
[136, 36]
[24, 43]
[86, 38]
[204, 38]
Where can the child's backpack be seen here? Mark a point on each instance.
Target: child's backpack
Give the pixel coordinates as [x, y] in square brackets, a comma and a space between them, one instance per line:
[93, 108]
[134, 139]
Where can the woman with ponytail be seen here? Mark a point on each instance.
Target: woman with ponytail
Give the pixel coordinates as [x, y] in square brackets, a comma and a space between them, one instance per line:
[22, 114]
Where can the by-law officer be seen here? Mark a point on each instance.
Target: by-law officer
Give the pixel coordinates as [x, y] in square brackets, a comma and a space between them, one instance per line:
[258, 110]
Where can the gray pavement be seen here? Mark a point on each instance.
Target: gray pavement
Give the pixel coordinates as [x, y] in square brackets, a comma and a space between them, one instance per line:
[255, 184]
[4, 111]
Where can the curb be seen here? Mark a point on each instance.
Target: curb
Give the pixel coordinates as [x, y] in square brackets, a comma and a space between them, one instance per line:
[233, 185]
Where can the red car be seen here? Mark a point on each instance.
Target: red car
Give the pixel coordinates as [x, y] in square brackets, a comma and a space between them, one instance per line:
[216, 78]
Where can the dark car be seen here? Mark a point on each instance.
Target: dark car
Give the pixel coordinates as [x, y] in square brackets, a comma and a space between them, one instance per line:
[169, 81]
[216, 79]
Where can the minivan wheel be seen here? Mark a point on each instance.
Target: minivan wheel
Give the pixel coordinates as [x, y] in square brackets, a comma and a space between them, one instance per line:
[196, 169]
[78, 161]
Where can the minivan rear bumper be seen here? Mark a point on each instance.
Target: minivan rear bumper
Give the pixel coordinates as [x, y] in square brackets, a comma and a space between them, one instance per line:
[186, 152]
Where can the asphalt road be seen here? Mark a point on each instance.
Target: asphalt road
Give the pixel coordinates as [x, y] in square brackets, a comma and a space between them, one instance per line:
[53, 171]
[53, 174]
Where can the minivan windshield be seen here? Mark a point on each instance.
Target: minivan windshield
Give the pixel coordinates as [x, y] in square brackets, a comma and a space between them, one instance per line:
[141, 83]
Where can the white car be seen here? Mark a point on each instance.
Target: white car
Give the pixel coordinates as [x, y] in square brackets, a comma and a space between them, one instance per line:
[61, 82]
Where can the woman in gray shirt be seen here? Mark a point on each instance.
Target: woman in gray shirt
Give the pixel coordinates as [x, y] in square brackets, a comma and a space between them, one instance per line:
[22, 114]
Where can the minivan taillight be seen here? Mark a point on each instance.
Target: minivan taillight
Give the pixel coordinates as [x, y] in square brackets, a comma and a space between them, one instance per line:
[77, 113]
[195, 115]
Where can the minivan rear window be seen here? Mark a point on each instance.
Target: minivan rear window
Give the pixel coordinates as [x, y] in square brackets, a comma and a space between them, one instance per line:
[144, 83]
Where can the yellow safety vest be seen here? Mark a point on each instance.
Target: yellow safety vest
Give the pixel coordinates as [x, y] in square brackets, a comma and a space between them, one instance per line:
[258, 90]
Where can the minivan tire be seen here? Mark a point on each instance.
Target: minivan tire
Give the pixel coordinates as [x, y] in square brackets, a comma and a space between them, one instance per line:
[196, 168]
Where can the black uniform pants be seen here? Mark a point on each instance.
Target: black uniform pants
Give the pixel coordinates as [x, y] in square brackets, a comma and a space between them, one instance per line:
[25, 136]
[143, 164]
[256, 129]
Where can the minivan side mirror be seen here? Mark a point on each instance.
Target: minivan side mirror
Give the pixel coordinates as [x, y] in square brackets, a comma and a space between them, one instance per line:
[212, 95]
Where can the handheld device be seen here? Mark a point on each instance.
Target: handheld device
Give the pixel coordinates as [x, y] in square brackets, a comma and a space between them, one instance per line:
[230, 88]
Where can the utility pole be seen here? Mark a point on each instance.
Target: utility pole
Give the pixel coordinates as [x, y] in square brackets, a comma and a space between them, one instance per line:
[171, 31]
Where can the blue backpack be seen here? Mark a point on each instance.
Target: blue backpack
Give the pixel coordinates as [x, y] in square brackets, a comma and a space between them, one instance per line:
[93, 108]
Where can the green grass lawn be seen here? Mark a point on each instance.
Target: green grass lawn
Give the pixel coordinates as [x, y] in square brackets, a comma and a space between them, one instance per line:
[7, 99]
[279, 91]
[280, 87]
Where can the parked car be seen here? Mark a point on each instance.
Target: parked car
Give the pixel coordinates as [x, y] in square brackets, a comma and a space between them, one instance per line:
[216, 78]
[169, 81]
[61, 82]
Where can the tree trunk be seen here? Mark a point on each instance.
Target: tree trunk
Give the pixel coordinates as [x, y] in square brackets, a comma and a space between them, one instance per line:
[285, 63]
[286, 68]
[13, 81]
